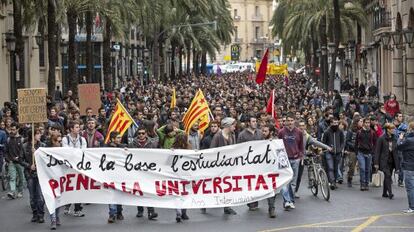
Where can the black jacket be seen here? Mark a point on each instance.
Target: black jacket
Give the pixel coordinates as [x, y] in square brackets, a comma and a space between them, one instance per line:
[14, 149]
[27, 158]
[407, 148]
[334, 139]
[382, 153]
[365, 141]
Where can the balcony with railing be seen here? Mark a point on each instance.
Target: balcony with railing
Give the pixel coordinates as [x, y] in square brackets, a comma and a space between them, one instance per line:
[382, 19]
[257, 18]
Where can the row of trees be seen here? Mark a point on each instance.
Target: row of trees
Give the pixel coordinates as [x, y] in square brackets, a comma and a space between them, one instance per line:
[309, 25]
[157, 20]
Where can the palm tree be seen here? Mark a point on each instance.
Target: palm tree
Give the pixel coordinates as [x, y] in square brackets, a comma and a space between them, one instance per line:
[297, 21]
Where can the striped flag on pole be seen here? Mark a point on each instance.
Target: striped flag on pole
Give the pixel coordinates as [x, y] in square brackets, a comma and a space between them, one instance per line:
[120, 121]
[198, 111]
[173, 100]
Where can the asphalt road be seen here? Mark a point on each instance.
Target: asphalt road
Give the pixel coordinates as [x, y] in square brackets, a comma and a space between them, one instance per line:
[348, 210]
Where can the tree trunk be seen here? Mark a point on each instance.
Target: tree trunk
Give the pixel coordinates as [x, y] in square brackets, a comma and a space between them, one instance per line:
[156, 56]
[204, 63]
[72, 54]
[188, 60]
[324, 53]
[337, 38]
[180, 58]
[89, 52]
[172, 63]
[195, 62]
[107, 72]
[51, 48]
[19, 49]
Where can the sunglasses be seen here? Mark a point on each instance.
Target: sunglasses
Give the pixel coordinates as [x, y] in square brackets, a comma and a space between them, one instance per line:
[141, 133]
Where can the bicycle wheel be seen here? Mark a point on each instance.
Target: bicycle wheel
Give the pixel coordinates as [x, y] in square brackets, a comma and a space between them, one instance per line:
[314, 188]
[324, 183]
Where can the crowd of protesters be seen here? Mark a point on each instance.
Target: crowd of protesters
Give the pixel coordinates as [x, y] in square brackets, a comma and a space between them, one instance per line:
[360, 132]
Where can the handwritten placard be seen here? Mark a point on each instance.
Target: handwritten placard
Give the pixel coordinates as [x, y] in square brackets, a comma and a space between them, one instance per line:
[89, 96]
[32, 105]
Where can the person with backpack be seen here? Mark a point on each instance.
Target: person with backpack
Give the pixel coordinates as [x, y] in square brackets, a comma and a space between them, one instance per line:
[74, 140]
[14, 154]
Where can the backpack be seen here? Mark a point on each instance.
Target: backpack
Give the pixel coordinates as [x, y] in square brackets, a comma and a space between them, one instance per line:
[80, 140]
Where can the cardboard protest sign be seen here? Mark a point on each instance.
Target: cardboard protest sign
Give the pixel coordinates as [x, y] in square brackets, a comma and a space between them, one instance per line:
[89, 96]
[217, 177]
[32, 105]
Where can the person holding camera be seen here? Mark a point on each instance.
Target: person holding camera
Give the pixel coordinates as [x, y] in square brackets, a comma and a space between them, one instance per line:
[405, 144]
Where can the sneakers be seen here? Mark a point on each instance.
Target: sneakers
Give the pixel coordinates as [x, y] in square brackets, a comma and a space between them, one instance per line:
[120, 216]
[11, 195]
[289, 205]
[66, 211]
[272, 213]
[229, 211]
[53, 225]
[152, 216]
[184, 216]
[19, 195]
[34, 218]
[178, 218]
[400, 184]
[408, 211]
[40, 219]
[140, 214]
[111, 219]
[78, 214]
[332, 186]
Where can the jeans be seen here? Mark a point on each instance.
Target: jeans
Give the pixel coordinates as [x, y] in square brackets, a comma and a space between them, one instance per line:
[331, 167]
[364, 162]
[37, 202]
[16, 177]
[141, 209]
[341, 166]
[115, 210]
[287, 190]
[180, 212]
[409, 186]
[271, 201]
[55, 216]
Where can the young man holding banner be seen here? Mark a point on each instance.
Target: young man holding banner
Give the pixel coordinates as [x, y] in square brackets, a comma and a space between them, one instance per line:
[74, 140]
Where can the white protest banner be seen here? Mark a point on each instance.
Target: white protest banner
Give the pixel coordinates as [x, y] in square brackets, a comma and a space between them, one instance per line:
[217, 177]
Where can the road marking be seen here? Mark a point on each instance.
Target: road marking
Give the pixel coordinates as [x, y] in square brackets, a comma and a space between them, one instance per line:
[366, 224]
[321, 224]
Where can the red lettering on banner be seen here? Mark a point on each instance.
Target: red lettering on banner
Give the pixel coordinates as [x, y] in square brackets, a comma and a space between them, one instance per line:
[109, 185]
[184, 183]
[196, 185]
[160, 192]
[62, 182]
[53, 185]
[124, 189]
[93, 186]
[68, 181]
[216, 185]
[136, 189]
[273, 176]
[226, 182]
[205, 191]
[84, 180]
[173, 187]
[249, 181]
[237, 188]
[261, 181]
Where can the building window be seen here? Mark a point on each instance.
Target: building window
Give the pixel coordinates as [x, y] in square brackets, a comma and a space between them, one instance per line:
[256, 11]
[132, 34]
[235, 12]
[42, 54]
[257, 32]
[97, 53]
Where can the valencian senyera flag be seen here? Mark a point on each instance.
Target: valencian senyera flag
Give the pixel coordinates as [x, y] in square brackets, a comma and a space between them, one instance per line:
[197, 112]
[120, 121]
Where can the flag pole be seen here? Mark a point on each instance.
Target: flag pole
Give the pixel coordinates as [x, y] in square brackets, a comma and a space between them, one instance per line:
[120, 103]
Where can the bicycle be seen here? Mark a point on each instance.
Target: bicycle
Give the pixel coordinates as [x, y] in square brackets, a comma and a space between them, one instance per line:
[317, 176]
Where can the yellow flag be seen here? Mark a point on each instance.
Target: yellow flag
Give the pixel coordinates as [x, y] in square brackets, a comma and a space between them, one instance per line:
[120, 121]
[173, 100]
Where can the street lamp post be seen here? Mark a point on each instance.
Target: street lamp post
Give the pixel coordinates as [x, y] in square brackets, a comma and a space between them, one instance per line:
[146, 74]
[63, 51]
[11, 46]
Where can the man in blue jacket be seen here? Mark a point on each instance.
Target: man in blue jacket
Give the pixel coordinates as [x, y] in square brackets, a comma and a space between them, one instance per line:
[405, 144]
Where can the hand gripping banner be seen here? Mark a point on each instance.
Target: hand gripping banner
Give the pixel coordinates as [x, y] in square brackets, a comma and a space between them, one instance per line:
[218, 177]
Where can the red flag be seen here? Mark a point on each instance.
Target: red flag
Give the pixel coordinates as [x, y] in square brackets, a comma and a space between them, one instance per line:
[271, 108]
[261, 74]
